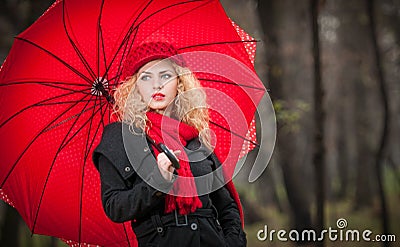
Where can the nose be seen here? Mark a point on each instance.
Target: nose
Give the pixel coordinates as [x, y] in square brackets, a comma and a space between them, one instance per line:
[157, 85]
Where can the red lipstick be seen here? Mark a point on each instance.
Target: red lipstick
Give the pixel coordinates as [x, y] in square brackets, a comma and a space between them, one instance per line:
[158, 96]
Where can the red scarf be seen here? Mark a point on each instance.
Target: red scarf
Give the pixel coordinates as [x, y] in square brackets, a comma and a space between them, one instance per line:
[175, 135]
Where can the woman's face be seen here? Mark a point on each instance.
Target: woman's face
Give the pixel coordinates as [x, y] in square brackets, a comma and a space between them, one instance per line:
[157, 82]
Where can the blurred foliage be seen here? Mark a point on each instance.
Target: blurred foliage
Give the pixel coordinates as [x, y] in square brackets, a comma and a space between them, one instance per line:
[288, 116]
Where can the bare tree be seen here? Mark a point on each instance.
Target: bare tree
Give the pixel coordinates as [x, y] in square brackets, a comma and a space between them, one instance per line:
[9, 235]
[288, 58]
[319, 121]
[354, 101]
[380, 155]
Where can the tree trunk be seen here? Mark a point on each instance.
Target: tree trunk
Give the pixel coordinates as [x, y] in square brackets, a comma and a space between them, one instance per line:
[9, 229]
[53, 242]
[268, 180]
[364, 173]
[387, 16]
[386, 119]
[319, 120]
[288, 59]
[343, 160]
[353, 101]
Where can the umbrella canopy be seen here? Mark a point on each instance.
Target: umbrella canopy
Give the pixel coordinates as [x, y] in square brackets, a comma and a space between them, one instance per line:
[56, 88]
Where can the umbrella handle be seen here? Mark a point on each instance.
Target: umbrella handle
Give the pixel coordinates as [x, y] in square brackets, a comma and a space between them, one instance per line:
[161, 147]
[171, 156]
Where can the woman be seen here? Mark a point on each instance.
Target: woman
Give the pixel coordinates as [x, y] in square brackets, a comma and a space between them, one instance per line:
[159, 97]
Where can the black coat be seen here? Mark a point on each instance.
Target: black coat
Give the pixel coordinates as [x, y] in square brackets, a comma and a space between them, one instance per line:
[127, 197]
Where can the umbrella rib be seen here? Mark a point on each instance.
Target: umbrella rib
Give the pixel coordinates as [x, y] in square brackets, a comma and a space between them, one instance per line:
[100, 43]
[219, 43]
[16, 83]
[126, 235]
[63, 88]
[75, 47]
[88, 148]
[70, 118]
[109, 117]
[102, 114]
[124, 43]
[114, 82]
[125, 40]
[64, 102]
[40, 103]
[50, 84]
[65, 141]
[135, 28]
[57, 58]
[141, 12]
[80, 128]
[62, 145]
[235, 134]
[34, 139]
[90, 128]
[100, 39]
[78, 115]
[234, 84]
[170, 6]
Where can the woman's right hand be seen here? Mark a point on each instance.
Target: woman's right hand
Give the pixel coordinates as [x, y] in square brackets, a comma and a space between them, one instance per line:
[165, 165]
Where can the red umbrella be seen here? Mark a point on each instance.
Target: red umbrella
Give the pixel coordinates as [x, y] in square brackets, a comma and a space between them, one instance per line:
[56, 88]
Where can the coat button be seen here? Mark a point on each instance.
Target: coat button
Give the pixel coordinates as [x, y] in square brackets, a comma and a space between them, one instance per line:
[193, 226]
[127, 169]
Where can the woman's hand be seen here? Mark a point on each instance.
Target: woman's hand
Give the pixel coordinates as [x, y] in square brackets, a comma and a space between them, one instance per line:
[165, 165]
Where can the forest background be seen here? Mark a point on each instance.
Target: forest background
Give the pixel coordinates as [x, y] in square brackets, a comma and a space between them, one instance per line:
[332, 68]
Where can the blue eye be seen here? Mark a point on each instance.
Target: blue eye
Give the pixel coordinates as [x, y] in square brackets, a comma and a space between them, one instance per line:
[166, 76]
[145, 78]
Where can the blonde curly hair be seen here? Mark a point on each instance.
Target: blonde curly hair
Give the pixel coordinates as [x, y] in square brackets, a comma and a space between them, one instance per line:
[189, 106]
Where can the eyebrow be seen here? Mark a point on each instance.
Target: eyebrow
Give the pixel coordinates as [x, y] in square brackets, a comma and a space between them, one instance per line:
[161, 72]
[165, 71]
